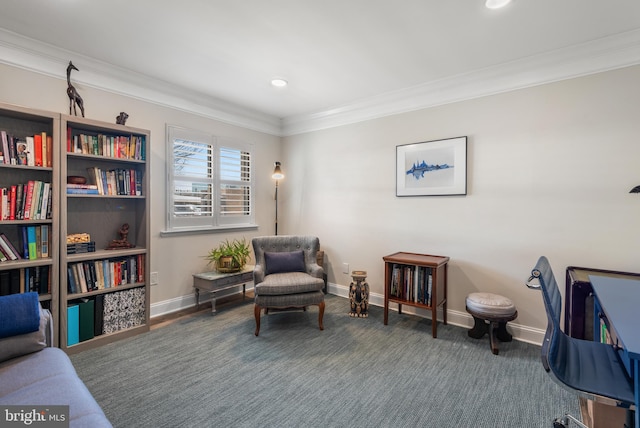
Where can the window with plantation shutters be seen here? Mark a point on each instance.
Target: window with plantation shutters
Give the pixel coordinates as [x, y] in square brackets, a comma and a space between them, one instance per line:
[210, 182]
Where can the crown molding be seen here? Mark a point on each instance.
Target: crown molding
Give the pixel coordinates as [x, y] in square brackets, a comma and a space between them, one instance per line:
[39, 57]
[609, 53]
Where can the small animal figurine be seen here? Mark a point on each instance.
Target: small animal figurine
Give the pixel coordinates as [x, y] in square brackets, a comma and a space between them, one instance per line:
[121, 119]
[74, 98]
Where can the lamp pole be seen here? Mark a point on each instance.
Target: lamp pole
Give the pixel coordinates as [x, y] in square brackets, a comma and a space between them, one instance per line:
[276, 207]
[277, 175]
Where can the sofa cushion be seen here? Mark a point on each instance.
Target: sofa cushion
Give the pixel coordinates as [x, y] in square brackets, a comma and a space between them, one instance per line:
[48, 377]
[21, 344]
[20, 314]
[286, 261]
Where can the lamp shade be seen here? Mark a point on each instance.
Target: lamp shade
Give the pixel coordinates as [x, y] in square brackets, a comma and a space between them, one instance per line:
[277, 172]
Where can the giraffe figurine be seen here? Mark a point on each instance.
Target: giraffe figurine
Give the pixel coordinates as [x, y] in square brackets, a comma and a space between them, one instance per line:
[74, 98]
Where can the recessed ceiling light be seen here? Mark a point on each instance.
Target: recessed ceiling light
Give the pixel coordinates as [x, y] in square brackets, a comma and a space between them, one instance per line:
[279, 83]
[496, 4]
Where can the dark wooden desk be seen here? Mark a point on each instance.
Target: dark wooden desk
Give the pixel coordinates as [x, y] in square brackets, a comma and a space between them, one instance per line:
[578, 307]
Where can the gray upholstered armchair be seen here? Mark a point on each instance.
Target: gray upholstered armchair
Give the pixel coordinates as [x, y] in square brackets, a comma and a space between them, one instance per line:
[287, 275]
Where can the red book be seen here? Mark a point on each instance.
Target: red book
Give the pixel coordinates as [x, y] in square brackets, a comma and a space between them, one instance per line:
[37, 147]
[69, 146]
[27, 203]
[12, 206]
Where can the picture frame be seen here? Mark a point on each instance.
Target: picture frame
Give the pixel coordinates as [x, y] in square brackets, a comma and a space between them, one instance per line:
[432, 168]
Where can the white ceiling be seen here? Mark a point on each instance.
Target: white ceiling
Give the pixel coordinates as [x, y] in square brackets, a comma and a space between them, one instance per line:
[362, 57]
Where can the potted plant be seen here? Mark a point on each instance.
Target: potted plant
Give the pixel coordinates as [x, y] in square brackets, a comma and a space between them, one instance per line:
[229, 256]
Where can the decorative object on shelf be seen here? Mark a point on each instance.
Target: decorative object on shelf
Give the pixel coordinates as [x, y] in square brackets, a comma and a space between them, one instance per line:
[77, 238]
[432, 168]
[76, 179]
[122, 242]
[121, 119]
[277, 175]
[359, 295]
[229, 256]
[75, 99]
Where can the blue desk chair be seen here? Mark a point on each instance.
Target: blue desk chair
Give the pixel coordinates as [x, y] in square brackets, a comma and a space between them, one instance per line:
[591, 369]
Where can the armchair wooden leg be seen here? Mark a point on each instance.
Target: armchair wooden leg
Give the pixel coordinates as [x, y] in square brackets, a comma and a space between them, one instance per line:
[321, 315]
[256, 313]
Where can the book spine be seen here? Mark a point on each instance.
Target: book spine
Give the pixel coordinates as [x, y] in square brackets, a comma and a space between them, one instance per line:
[25, 243]
[31, 236]
[82, 191]
[5, 148]
[20, 201]
[12, 204]
[44, 149]
[27, 203]
[44, 200]
[8, 248]
[44, 240]
[49, 151]
[71, 283]
[37, 146]
[4, 200]
[13, 151]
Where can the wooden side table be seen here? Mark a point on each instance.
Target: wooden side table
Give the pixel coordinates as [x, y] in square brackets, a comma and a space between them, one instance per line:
[418, 280]
[216, 281]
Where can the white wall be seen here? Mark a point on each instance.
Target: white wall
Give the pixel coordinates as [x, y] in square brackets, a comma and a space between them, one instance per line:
[175, 258]
[549, 171]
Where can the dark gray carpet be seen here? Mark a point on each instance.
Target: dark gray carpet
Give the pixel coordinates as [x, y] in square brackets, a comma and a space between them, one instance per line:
[211, 371]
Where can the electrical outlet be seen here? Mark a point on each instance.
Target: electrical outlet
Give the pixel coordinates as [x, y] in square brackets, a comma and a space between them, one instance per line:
[345, 268]
[154, 278]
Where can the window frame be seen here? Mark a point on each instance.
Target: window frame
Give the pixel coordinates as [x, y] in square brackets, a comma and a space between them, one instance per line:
[217, 221]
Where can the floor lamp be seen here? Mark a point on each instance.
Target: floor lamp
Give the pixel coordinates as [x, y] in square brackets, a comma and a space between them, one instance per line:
[277, 175]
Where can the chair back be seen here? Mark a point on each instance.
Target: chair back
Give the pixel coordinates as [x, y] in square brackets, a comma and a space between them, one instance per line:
[592, 369]
[286, 243]
[553, 337]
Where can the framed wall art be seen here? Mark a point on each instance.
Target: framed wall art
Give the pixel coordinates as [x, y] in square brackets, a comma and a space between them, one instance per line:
[432, 168]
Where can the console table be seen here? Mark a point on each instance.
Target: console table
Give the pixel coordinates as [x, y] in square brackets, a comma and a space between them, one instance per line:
[217, 281]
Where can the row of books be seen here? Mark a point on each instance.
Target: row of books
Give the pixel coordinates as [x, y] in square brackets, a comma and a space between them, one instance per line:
[111, 182]
[32, 150]
[35, 244]
[115, 146]
[26, 201]
[104, 314]
[412, 283]
[36, 278]
[92, 275]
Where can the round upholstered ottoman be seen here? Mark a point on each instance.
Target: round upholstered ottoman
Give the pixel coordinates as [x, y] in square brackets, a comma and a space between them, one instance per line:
[491, 312]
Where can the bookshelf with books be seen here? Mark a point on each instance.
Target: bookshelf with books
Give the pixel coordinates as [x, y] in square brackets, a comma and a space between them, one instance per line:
[29, 195]
[417, 280]
[104, 281]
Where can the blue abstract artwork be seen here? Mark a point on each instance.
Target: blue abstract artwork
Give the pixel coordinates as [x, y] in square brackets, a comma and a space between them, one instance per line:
[418, 169]
[432, 168]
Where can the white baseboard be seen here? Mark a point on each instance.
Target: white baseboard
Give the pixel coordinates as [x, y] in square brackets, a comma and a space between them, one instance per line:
[520, 332]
